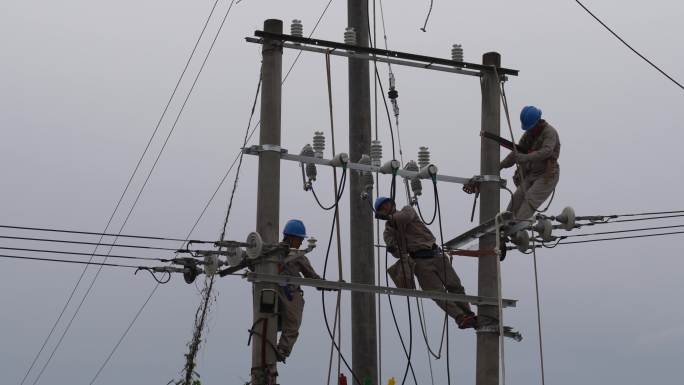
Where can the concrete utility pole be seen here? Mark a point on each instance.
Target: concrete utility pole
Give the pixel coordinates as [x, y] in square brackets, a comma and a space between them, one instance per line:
[265, 295]
[363, 327]
[488, 343]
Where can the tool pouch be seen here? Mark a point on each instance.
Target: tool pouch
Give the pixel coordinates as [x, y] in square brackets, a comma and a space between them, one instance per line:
[401, 273]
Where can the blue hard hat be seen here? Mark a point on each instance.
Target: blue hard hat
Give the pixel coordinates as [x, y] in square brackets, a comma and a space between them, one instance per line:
[295, 228]
[529, 117]
[380, 201]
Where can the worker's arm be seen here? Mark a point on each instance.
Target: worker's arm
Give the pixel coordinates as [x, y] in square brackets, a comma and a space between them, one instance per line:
[390, 236]
[306, 268]
[511, 158]
[549, 139]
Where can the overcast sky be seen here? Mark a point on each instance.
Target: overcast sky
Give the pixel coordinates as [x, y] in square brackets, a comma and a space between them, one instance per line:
[84, 82]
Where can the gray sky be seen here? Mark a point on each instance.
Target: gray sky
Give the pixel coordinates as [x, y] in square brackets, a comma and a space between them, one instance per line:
[84, 82]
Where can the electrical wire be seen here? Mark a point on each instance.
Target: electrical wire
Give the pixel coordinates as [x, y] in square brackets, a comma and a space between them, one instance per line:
[86, 243]
[622, 231]
[68, 261]
[629, 46]
[85, 254]
[135, 318]
[620, 238]
[101, 234]
[427, 17]
[128, 184]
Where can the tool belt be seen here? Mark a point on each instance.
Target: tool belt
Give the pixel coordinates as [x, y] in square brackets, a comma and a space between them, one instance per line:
[425, 253]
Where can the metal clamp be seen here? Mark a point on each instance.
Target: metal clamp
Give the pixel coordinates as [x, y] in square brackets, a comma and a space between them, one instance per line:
[489, 178]
[258, 149]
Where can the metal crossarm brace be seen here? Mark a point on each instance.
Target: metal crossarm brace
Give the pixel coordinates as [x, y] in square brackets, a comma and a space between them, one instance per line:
[255, 150]
[359, 287]
[363, 56]
[428, 60]
[509, 226]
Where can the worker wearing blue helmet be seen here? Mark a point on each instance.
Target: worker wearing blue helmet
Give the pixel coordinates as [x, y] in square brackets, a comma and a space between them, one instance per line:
[537, 162]
[291, 297]
[410, 240]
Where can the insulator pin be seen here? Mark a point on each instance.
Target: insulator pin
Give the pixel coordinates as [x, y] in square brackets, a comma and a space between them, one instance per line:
[376, 153]
[423, 157]
[350, 36]
[318, 144]
[297, 28]
[457, 53]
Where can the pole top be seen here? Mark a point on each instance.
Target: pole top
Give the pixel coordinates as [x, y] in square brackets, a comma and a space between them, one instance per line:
[491, 58]
[273, 25]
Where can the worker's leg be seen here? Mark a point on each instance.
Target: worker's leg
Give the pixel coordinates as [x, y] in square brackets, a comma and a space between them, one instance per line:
[291, 314]
[518, 197]
[429, 280]
[451, 280]
[539, 190]
[401, 273]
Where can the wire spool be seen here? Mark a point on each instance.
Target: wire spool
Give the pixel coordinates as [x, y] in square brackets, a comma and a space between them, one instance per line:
[297, 28]
[318, 144]
[416, 184]
[457, 53]
[423, 157]
[310, 167]
[350, 36]
[256, 245]
[376, 153]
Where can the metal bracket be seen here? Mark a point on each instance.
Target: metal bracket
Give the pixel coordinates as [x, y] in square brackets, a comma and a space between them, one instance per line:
[489, 178]
[258, 149]
[359, 287]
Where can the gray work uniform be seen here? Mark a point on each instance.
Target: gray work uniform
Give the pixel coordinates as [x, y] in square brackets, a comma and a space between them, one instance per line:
[291, 302]
[413, 243]
[540, 169]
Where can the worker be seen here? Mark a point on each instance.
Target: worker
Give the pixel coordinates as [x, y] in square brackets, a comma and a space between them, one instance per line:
[537, 174]
[408, 239]
[291, 297]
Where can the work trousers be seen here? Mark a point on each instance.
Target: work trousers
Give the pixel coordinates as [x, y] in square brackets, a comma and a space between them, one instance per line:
[526, 201]
[291, 311]
[434, 274]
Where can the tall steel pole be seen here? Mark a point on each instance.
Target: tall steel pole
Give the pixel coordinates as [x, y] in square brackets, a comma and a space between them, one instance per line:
[363, 327]
[487, 372]
[265, 298]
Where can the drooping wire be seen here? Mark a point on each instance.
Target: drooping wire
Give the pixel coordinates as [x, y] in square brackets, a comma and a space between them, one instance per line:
[343, 180]
[427, 17]
[629, 46]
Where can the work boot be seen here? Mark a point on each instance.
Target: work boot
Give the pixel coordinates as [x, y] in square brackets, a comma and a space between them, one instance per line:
[467, 321]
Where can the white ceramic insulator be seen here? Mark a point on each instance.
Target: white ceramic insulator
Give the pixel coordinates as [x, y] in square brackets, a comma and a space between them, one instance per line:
[423, 157]
[416, 184]
[310, 167]
[297, 28]
[318, 144]
[350, 36]
[376, 153]
[457, 53]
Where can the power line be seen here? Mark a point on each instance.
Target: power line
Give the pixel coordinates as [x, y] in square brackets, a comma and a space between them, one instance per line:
[205, 208]
[622, 231]
[101, 234]
[619, 238]
[128, 184]
[86, 254]
[86, 243]
[147, 178]
[67, 261]
[629, 46]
